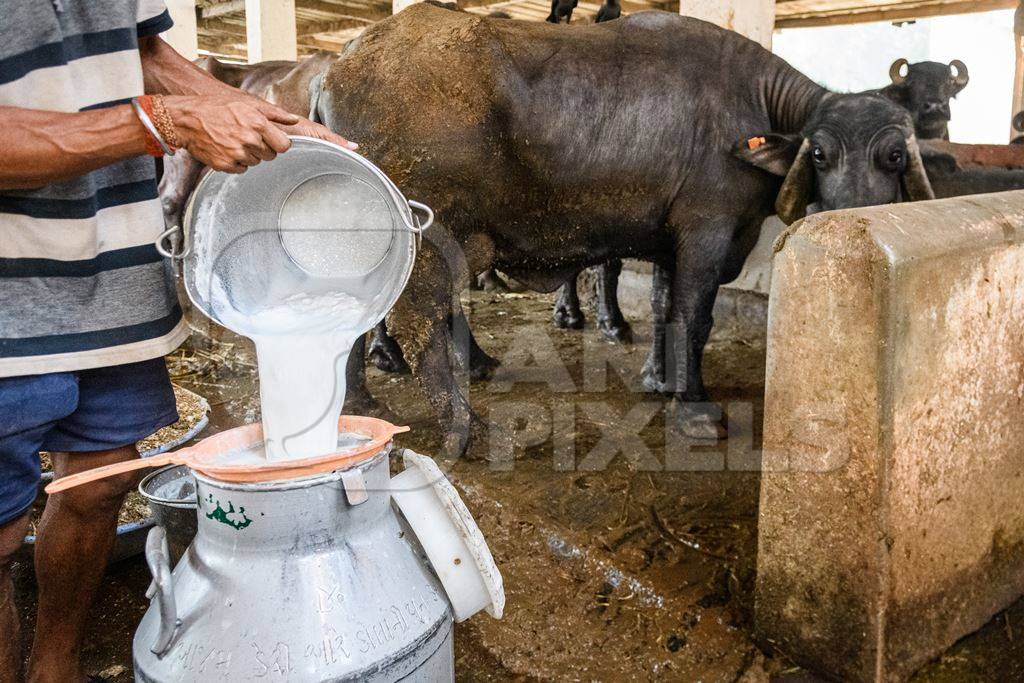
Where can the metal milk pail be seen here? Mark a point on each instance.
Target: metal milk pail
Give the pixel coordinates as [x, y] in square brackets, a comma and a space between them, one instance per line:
[316, 219]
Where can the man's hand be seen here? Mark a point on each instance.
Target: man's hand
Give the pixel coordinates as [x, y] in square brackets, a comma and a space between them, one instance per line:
[233, 132]
[321, 132]
[230, 133]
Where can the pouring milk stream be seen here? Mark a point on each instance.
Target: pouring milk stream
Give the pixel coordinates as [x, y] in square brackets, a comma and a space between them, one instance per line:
[302, 357]
[302, 255]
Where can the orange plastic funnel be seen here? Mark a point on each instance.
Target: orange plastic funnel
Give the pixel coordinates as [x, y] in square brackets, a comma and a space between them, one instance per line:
[205, 457]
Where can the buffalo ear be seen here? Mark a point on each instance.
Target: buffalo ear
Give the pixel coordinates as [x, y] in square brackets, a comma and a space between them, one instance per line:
[795, 193]
[773, 153]
[315, 87]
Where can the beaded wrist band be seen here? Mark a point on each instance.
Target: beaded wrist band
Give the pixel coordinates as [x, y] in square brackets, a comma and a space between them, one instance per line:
[155, 144]
[164, 124]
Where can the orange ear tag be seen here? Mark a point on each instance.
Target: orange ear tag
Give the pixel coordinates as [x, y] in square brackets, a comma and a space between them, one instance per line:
[754, 143]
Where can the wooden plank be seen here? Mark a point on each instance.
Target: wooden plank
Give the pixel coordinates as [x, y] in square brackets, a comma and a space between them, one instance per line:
[337, 10]
[222, 8]
[891, 11]
[333, 26]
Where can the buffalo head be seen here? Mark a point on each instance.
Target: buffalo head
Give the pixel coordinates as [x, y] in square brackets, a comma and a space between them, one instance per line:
[925, 89]
[855, 150]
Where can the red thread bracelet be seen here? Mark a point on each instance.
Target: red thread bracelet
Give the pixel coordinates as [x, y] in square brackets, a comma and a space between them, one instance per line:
[153, 147]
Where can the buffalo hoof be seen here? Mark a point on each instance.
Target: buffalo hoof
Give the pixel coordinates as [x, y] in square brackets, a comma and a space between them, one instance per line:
[490, 281]
[701, 421]
[454, 444]
[652, 378]
[568, 318]
[471, 441]
[389, 359]
[482, 367]
[616, 331]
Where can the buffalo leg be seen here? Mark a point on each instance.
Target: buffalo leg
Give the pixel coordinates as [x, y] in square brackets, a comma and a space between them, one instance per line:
[434, 370]
[654, 373]
[490, 281]
[420, 324]
[567, 314]
[700, 258]
[481, 365]
[553, 17]
[385, 352]
[358, 399]
[610, 320]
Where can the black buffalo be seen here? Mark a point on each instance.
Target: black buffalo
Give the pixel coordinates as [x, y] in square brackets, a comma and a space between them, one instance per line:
[925, 91]
[923, 88]
[694, 135]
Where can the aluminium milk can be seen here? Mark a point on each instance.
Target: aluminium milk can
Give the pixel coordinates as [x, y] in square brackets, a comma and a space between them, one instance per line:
[288, 580]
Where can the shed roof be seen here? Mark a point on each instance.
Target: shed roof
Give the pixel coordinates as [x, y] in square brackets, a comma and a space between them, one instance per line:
[329, 24]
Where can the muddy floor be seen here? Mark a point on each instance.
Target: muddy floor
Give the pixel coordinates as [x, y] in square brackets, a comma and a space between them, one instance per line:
[628, 553]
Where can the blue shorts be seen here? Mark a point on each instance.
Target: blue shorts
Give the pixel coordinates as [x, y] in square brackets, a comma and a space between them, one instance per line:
[85, 410]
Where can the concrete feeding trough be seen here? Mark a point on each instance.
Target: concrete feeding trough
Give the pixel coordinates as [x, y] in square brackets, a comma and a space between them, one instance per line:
[890, 518]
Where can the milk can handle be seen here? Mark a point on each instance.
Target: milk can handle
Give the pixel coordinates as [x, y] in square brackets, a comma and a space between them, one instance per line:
[420, 226]
[165, 243]
[161, 589]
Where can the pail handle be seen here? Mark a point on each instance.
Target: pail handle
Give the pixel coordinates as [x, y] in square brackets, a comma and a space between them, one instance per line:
[420, 226]
[166, 243]
[161, 589]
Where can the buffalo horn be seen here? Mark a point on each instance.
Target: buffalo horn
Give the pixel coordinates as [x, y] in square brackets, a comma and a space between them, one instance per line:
[958, 70]
[895, 71]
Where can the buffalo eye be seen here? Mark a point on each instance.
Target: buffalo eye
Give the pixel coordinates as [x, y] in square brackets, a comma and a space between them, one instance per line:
[896, 157]
[818, 154]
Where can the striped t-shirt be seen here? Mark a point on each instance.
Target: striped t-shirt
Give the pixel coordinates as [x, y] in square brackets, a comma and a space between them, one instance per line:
[81, 284]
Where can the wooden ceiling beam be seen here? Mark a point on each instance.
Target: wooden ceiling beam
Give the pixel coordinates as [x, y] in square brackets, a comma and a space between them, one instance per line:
[892, 11]
[359, 10]
[349, 24]
[221, 8]
[223, 26]
[373, 11]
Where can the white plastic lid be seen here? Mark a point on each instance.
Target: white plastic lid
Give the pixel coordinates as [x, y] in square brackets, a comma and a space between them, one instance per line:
[450, 537]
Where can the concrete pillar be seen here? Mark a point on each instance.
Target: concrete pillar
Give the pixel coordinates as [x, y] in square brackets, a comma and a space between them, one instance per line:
[182, 36]
[754, 19]
[270, 30]
[1018, 74]
[890, 522]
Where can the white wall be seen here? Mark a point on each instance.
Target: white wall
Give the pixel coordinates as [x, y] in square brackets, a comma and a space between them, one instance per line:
[857, 57]
[751, 18]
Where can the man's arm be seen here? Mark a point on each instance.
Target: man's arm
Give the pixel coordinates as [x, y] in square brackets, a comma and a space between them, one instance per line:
[220, 126]
[167, 72]
[41, 147]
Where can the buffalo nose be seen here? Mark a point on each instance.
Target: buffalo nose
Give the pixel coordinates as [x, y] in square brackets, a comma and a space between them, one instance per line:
[936, 107]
